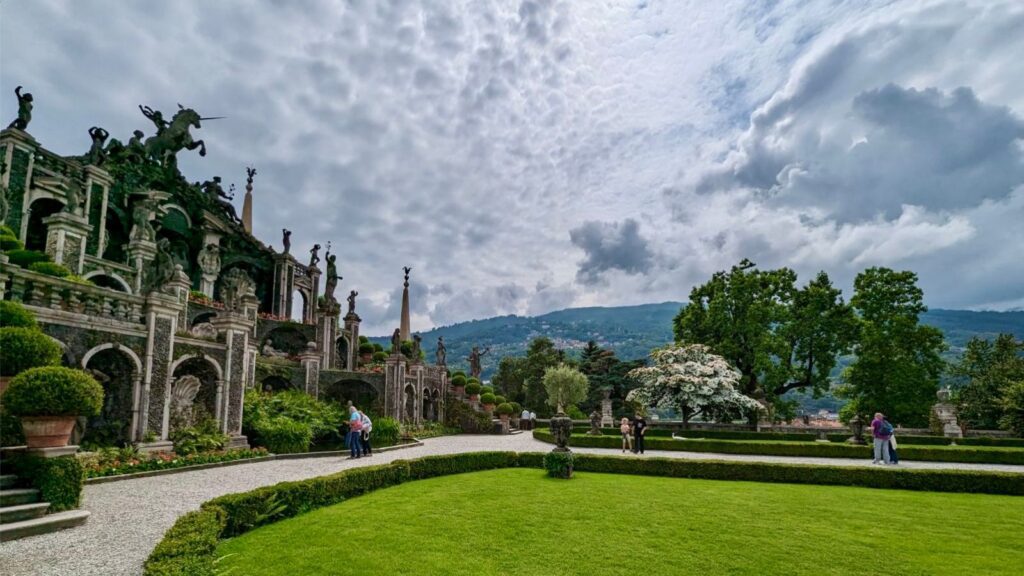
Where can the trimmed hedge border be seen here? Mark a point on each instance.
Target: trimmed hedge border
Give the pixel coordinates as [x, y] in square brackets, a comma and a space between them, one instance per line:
[963, 454]
[188, 548]
[59, 480]
[907, 439]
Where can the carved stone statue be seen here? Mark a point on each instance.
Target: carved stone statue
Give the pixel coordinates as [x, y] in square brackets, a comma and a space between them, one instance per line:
[183, 397]
[595, 424]
[286, 240]
[396, 341]
[24, 110]
[352, 301]
[174, 136]
[250, 173]
[271, 352]
[474, 361]
[209, 259]
[332, 279]
[417, 342]
[407, 269]
[204, 330]
[156, 117]
[441, 355]
[74, 197]
[141, 215]
[97, 155]
[314, 255]
[215, 192]
[235, 285]
[161, 270]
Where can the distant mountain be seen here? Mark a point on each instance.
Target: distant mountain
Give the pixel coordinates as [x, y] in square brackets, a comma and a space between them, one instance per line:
[632, 331]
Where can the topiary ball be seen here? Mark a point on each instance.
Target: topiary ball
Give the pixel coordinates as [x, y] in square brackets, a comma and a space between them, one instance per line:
[380, 356]
[53, 391]
[517, 407]
[504, 408]
[365, 348]
[499, 399]
[10, 242]
[14, 315]
[26, 258]
[472, 388]
[487, 398]
[24, 348]
[487, 390]
[50, 269]
[458, 380]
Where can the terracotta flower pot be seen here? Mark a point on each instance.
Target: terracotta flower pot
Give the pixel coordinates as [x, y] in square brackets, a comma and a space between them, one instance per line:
[489, 407]
[504, 417]
[474, 398]
[458, 390]
[47, 431]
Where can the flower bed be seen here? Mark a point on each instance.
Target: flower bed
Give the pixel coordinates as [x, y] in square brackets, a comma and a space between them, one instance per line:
[99, 466]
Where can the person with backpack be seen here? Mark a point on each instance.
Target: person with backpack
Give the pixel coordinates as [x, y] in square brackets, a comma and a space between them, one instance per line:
[364, 438]
[894, 458]
[881, 431]
[355, 429]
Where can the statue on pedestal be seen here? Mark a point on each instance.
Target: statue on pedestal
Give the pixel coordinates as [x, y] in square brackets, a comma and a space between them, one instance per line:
[269, 351]
[156, 117]
[161, 270]
[24, 110]
[396, 342]
[183, 397]
[332, 279]
[352, 301]
[474, 361]
[97, 155]
[314, 256]
[215, 192]
[209, 260]
[141, 215]
[74, 197]
[595, 424]
[235, 285]
[286, 240]
[417, 341]
[944, 416]
[441, 356]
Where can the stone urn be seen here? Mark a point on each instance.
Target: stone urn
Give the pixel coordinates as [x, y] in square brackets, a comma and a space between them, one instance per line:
[459, 391]
[857, 427]
[474, 397]
[47, 431]
[561, 428]
[504, 417]
[488, 408]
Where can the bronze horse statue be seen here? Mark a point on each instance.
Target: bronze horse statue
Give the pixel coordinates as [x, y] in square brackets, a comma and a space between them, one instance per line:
[176, 137]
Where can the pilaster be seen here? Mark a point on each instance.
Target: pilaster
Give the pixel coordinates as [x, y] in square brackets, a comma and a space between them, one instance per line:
[237, 328]
[352, 322]
[394, 381]
[97, 185]
[310, 359]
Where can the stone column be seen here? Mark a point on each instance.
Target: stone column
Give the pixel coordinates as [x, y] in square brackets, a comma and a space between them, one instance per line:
[394, 383]
[284, 285]
[161, 313]
[140, 253]
[97, 185]
[237, 327]
[352, 321]
[327, 334]
[66, 235]
[18, 149]
[416, 371]
[310, 359]
[606, 413]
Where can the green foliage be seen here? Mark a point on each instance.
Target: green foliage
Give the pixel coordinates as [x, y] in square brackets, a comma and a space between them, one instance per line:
[984, 455]
[573, 411]
[59, 480]
[277, 418]
[1013, 408]
[386, 431]
[517, 408]
[779, 337]
[564, 385]
[487, 398]
[541, 354]
[487, 390]
[377, 348]
[6, 230]
[986, 370]
[14, 315]
[459, 380]
[510, 376]
[50, 269]
[10, 242]
[458, 373]
[498, 399]
[187, 548]
[898, 360]
[10, 429]
[203, 437]
[473, 380]
[363, 340]
[472, 388]
[282, 435]
[26, 258]
[559, 464]
[365, 348]
[380, 356]
[24, 348]
[460, 415]
[119, 461]
[53, 391]
[504, 408]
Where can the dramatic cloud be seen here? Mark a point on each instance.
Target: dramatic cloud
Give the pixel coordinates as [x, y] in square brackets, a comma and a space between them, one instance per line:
[493, 144]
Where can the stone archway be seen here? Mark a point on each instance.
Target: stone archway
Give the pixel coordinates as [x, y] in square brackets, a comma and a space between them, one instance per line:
[206, 399]
[35, 236]
[276, 384]
[341, 345]
[119, 371]
[109, 280]
[409, 414]
[435, 401]
[362, 394]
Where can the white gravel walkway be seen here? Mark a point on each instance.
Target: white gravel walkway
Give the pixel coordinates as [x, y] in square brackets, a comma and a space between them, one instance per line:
[129, 517]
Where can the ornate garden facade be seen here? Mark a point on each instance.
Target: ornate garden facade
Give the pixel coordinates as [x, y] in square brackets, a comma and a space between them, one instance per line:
[171, 302]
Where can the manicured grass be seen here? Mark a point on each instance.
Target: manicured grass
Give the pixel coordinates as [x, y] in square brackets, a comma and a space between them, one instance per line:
[517, 521]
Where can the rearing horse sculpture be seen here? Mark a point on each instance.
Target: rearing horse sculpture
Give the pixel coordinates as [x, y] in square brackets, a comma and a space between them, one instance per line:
[176, 137]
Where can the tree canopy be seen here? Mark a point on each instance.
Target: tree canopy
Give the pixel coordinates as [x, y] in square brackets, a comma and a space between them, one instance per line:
[565, 385]
[985, 372]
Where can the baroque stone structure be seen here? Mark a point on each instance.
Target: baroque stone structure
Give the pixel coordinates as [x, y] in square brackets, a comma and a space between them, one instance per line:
[180, 298]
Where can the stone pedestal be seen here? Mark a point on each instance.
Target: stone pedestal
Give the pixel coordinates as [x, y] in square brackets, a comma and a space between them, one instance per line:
[394, 381]
[606, 413]
[310, 359]
[158, 446]
[561, 429]
[352, 322]
[327, 334]
[944, 416]
[66, 234]
[54, 452]
[140, 253]
[284, 285]
[237, 327]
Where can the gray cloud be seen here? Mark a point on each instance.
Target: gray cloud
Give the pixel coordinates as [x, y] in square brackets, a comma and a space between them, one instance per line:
[610, 246]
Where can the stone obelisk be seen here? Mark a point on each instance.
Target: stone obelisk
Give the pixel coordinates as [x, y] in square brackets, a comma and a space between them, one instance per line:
[404, 328]
[247, 206]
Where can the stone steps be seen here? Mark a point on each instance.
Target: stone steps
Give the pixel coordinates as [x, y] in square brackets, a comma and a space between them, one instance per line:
[7, 481]
[16, 496]
[23, 512]
[43, 525]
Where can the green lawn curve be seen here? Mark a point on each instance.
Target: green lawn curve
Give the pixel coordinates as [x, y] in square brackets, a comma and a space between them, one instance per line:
[517, 521]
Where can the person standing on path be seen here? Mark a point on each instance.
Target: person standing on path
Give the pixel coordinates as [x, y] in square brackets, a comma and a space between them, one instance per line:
[881, 431]
[524, 419]
[364, 437]
[355, 428]
[627, 440]
[639, 430]
[893, 456]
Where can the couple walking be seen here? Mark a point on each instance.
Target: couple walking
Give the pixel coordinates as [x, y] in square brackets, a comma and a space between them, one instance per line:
[358, 438]
[633, 434]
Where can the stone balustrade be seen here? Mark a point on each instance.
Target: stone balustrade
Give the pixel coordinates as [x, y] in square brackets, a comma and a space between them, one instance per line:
[55, 293]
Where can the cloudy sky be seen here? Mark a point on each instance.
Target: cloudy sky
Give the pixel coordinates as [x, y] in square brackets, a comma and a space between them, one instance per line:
[530, 155]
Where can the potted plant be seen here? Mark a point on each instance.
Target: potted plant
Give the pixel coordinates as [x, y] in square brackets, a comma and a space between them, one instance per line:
[504, 411]
[499, 399]
[23, 346]
[365, 352]
[48, 400]
[473, 390]
[488, 401]
[459, 385]
[517, 410]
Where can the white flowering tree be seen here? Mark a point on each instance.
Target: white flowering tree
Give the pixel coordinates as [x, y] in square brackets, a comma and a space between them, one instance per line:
[691, 379]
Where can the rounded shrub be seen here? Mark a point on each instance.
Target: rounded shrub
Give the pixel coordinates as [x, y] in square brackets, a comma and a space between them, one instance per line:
[472, 379]
[50, 269]
[10, 242]
[487, 389]
[6, 230]
[380, 356]
[487, 398]
[53, 391]
[14, 315]
[365, 347]
[363, 340]
[458, 380]
[377, 347]
[26, 258]
[504, 408]
[458, 373]
[23, 348]
[472, 388]
[517, 407]
[499, 399]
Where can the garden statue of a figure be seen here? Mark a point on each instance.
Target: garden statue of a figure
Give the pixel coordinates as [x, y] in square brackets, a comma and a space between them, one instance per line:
[141, 228]
[161, 270]
[407, 269]
[286, 240]
[174, 136]
[332, 278]
[271, 352]
[74, 198]
[156, 117]
[417, 341]
[396, 341]
[234, 285]
[97, 155]
[24, 110]
[216, 193]
[441, 356]
[474, 361]
[352, 301]
[209, 259]
[595, 424]
[314, 256]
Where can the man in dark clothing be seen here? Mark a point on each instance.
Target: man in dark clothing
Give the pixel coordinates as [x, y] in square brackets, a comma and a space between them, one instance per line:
[639, 430]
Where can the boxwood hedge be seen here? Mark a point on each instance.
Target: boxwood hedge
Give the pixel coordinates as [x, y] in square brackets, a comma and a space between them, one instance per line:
[975, 454]
[189, 546]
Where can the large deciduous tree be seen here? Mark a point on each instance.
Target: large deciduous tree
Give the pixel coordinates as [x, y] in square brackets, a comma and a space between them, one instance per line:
[898, 362]
[779, 337]
[691, 379]
[985, 371]
[566, 386]
[521, 377]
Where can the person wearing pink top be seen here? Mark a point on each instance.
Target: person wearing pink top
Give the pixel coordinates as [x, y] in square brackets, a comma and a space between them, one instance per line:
[627, 439]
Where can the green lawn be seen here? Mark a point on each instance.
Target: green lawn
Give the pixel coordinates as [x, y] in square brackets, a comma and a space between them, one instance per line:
[517, 521]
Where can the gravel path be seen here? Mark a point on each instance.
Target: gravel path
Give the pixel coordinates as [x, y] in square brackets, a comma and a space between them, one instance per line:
[129, 517]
